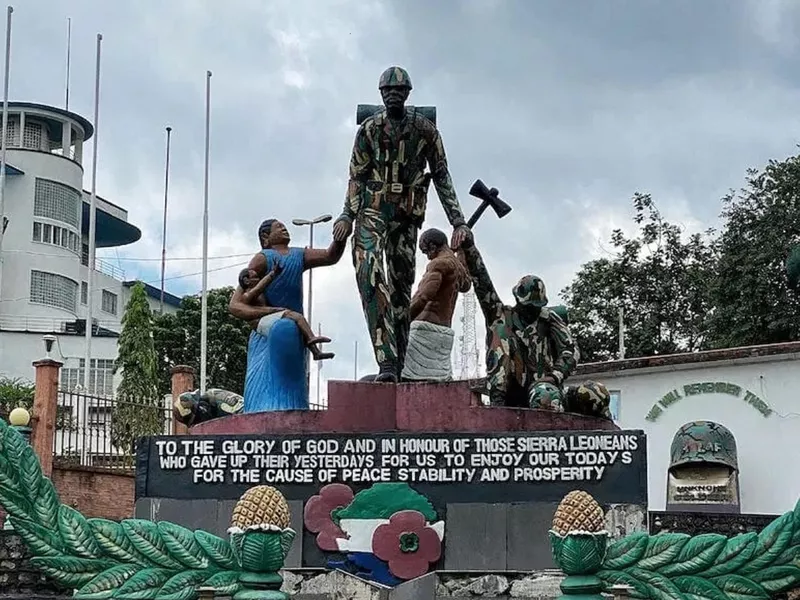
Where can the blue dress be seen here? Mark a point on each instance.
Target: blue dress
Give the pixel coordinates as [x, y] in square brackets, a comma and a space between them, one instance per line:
[276, 364]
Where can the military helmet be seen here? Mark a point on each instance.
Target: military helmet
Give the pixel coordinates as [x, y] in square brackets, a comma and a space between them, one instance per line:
[395, 77]
[703, 442]
[531, 290]
[546, 396]
[593, 398]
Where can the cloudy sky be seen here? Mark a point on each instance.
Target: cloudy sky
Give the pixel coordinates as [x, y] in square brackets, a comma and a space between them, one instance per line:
[568, 107]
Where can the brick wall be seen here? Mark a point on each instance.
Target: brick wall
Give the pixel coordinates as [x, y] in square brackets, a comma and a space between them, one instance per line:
[94, 492]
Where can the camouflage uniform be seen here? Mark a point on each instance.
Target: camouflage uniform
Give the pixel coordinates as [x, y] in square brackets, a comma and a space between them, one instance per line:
[520, 354]
[589, 398]
[386, 199]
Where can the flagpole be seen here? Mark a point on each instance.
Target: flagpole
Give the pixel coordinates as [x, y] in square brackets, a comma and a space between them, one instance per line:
[3, 144]
[204, 301]
[87, 366]
[164, 230]
[69, 47]
[319, 363]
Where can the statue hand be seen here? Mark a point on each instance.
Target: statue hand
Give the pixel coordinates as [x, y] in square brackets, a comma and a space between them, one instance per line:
[461, 236]
[342, 229]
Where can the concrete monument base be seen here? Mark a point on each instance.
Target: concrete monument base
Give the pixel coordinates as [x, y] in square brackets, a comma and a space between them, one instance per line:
[393, 482]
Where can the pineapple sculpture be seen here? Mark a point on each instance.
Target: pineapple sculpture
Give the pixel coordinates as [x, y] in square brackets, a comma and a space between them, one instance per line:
[578, 540]
[261, 537]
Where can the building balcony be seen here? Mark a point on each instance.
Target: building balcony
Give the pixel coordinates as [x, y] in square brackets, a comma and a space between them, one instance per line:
[23, 324]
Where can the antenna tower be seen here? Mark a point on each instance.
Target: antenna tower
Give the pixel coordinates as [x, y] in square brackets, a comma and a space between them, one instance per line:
[469, 357]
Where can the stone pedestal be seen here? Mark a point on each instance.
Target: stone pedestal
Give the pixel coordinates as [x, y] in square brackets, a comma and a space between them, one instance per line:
[394, 481]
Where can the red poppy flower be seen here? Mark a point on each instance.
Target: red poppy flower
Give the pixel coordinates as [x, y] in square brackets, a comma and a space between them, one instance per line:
[317, 514]
[407, 544]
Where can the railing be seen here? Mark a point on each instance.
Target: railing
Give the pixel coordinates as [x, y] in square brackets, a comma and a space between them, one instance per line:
[45, 325]
[103, 266]
[110, 269]
[92, 431]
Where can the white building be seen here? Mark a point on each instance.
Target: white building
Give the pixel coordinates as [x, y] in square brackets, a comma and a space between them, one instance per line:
[751, 391]
[43, 285]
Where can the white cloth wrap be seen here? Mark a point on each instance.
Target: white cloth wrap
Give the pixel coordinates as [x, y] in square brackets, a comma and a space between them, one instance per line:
[266, 322]
[428, 356]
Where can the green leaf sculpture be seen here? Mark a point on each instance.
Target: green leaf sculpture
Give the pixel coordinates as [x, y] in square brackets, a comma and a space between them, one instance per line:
[674, 566]
[141, 560]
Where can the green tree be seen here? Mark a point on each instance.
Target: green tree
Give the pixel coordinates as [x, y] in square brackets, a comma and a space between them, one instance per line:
[138, 408]
[753, 302]
[15, 391]
[660, 280]
[177, 338]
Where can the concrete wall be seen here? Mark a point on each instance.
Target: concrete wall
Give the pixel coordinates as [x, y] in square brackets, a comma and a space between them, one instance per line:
[769, 479]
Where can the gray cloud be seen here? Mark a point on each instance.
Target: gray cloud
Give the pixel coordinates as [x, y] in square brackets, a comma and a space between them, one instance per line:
[568, 108]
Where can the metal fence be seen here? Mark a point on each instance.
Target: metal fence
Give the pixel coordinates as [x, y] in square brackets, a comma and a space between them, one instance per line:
[94, 431]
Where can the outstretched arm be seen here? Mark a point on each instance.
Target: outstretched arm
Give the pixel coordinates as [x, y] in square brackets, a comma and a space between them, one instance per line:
[564, 349]
[491, 304]
[323, 257]
[440, 174]
[360, 161]
[465, 284]
[427, 290]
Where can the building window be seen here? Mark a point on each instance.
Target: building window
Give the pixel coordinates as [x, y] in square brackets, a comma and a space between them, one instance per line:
[12, 133]
[616, 397]
[54, 290]
[99, 416]
[109, 302]
[57, 201]
[84, 292]
[85, 255]
[101, 377]
[34, 137]
[53, 234]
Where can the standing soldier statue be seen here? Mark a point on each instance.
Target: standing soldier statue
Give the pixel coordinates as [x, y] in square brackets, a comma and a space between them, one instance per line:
[386, 201]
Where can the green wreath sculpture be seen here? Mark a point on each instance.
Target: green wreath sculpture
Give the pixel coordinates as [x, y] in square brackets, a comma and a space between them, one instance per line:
[136, 559]
[675, 566]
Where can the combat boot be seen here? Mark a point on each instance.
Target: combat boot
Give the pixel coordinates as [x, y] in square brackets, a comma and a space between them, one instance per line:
[387, 373]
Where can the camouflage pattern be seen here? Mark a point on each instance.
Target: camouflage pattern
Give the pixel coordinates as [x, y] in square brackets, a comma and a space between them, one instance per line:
[704, 442]
[546, 396]
[192, 408]
[531, 290]
[520, 354]
[387, 200]
[590, 398]
[395, 77]
[385, 294]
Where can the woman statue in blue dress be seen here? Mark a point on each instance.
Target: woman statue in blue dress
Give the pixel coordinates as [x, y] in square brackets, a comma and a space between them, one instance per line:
[276, 355]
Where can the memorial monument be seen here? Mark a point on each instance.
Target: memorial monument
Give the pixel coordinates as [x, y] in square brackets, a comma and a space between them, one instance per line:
[409, 473]
[703, 473]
